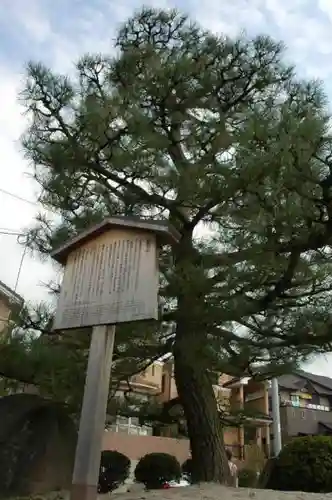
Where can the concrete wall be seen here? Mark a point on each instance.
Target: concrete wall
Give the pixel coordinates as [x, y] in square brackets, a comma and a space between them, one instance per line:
[256, 397]
[134, 447]
[259, 405]
[301, 420]
[137, 446]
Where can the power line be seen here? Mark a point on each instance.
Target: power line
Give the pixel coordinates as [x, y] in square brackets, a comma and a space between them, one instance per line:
[20, 198]
[10, 232]
[17, 197]
[7, 230]
[18, 235]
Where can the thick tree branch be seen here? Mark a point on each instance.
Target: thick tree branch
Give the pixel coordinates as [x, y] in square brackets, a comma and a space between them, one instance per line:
[315, 241]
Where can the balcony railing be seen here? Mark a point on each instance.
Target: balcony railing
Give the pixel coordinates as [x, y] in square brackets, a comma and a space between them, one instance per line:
[308, 406]
[129, 425]
[140, 380]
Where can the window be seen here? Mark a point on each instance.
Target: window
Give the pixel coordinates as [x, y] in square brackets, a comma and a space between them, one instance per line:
[315, 400]
[152, 370]
[250, 435]
[295, 399]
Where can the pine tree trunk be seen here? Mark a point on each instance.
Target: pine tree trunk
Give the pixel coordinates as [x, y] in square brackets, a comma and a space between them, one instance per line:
[199, 404]
[193, 383]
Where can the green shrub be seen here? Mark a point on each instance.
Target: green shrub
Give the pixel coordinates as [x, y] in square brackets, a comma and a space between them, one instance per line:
[265, 475]
[247, 478]
[114, 470]
[155, 468]
[304, 464]
[187, 467]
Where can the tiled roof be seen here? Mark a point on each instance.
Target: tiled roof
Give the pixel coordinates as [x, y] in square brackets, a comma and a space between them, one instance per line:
[298, 380]
[317, 379]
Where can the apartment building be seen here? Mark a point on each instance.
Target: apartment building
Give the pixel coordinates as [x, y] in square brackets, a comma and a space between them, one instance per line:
[9, 300]
[305, 408]
[231, 395]
[144, 386]
[305, 405]
[252, 399]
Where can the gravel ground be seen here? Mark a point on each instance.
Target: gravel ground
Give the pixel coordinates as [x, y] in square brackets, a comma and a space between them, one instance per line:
[217, 492]
[202, 492]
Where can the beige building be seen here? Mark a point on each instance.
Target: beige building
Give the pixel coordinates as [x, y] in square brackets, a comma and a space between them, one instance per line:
[231, 393]
[143, 386]
[9, 301]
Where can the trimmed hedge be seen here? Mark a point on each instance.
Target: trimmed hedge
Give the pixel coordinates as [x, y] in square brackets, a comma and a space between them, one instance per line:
[155, 468]
[265, 476]
[247, 478]
[114, 470]
[304, 464]
[187, 467]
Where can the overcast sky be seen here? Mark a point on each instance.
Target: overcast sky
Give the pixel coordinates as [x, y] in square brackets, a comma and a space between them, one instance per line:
[58, 32]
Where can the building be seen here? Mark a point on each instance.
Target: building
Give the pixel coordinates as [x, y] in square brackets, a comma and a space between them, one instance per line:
[233, 395]
[9, 301]
[236, 395]
[305, 408]
[143, 386]
[305, 405]
[252, 399]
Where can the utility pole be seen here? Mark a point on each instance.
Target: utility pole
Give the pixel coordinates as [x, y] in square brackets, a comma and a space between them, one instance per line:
[276, 417]
[20, 267]
[10, 232]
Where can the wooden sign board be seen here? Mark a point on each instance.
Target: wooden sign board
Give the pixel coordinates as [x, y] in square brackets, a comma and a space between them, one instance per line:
[110, 279]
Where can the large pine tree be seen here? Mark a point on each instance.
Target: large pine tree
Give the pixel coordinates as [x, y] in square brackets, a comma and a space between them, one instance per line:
[218, 136]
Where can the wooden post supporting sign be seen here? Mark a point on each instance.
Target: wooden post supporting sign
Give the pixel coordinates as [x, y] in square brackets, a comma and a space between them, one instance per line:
[92, 424]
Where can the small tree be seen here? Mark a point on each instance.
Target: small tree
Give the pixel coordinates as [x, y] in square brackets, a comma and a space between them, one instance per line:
[154, 469]
[114, 470]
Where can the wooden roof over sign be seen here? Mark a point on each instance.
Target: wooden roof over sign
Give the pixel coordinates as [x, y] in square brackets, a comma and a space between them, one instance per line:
[165, 232]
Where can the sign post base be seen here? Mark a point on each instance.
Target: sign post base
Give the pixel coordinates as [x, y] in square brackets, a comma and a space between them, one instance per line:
[93, 414]
[83, 492]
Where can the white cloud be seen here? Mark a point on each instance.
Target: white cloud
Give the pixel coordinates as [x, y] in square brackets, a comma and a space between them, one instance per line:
[326, 7]
[59, 32]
